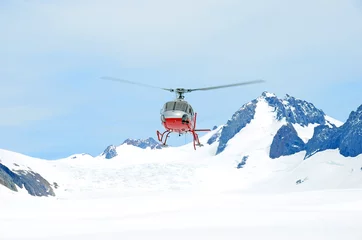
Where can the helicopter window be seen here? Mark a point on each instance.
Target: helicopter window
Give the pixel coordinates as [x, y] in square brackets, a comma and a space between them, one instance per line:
[181, 106]
[191, 111]
[169, 106]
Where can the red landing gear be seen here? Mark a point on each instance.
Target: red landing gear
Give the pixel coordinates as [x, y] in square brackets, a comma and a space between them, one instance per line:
[196, 136]
[162, 137]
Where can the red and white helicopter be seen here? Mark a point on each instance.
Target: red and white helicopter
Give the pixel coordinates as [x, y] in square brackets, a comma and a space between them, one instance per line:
[178, 115]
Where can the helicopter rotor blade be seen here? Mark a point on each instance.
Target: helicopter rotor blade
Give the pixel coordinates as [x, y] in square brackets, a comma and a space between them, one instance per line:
[225, 86]
[135, 83]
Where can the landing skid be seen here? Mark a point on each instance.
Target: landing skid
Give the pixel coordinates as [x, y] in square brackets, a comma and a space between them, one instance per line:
[196, 136]
[161, 137]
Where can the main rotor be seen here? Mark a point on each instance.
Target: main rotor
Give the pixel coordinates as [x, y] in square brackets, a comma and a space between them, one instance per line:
[181, 91]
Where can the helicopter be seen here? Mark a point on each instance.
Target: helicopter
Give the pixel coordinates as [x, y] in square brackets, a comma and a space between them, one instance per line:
[178, 116]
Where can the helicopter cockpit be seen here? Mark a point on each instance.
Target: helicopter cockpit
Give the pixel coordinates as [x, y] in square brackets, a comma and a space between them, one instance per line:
[178, 106]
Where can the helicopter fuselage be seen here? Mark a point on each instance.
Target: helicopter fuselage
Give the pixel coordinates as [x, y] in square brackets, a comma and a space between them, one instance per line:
[177, 116]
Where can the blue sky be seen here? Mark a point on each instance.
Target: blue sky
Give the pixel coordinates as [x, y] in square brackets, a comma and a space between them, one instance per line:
[53, 53]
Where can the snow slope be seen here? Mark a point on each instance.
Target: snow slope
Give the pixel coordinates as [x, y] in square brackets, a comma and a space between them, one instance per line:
[322, 215]
[177, 193]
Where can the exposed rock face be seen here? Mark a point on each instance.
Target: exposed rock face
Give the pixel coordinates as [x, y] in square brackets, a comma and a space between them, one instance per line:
[243, 162]
[286, 142]
[323, 138]
[295, 110]
[351, 135]
[214, 137]
[110, 152]
[348, 137]
[238, 121]
[33, 182]
[143, 143]
[8, 178]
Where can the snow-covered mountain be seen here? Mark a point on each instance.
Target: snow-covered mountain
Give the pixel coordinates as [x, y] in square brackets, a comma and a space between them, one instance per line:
[143, 143]
[275, 164]
[111, 150]
[20, 172]
[289, 113]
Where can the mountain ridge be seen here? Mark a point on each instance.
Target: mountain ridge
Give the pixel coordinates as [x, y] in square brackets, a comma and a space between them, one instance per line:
[287, 110]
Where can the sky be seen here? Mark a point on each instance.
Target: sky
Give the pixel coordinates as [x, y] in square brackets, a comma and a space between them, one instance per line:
[53, 102]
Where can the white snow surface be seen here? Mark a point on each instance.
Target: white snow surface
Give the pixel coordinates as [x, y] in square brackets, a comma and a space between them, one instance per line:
[179, 193]
[334, 121]
[305, 132]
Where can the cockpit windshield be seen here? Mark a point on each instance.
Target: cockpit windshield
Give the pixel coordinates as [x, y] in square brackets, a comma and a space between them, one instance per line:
[177, 105]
